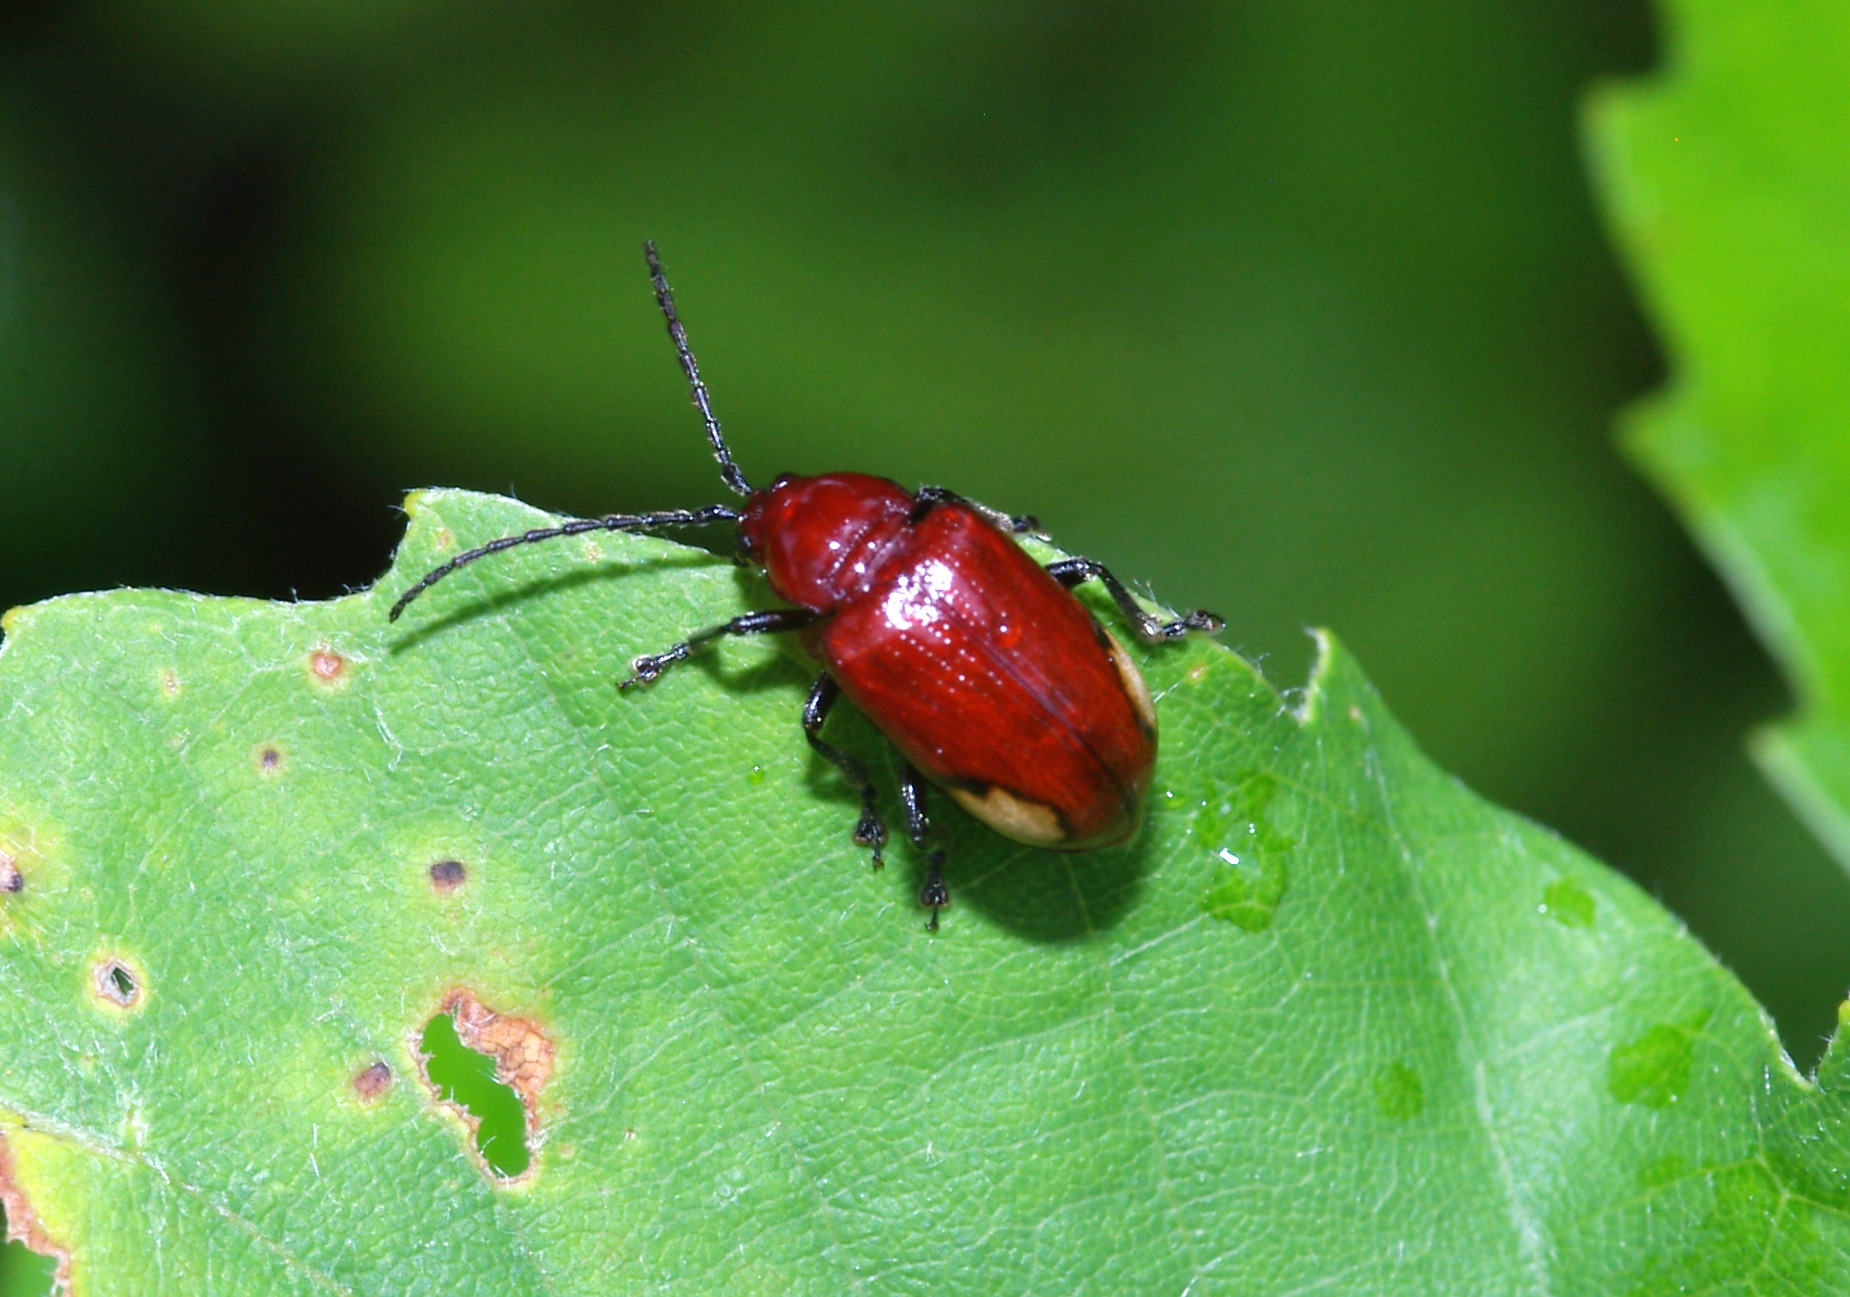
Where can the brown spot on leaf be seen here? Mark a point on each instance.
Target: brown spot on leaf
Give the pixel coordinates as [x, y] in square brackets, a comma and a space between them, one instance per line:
[522, 1052]
[23, 1224]
[115, 983]
[445, 538]
[269, 759]
[326, 664]
[370, 1083]
[448, 875]
[11, 880]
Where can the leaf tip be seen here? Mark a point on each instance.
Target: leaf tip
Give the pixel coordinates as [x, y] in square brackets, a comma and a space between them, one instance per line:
[1335, 682]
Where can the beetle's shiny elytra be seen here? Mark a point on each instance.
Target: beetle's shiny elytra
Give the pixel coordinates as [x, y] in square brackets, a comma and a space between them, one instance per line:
[986, 673]
[993, 681]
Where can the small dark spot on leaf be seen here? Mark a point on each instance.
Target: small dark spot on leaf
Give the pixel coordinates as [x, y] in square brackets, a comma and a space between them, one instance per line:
[114, 982]
[268, 759]
[370, 1083]
[11, 880]
[448, 875]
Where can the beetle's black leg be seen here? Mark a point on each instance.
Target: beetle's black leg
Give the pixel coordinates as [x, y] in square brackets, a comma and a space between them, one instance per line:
[912, 794]
[927, 498]
[871, 830]
[1070, 572]
[651, 665]
[934, 895]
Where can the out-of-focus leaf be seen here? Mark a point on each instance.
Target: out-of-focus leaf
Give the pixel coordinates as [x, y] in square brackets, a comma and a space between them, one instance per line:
[1728, 178]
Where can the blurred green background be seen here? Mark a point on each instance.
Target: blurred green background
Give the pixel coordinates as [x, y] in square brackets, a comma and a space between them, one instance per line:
[1301, 313]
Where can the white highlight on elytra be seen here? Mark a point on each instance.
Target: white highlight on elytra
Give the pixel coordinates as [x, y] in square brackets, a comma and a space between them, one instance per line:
[914, 598]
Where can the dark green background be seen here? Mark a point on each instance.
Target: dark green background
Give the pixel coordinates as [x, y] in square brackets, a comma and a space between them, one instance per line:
[1300, 313]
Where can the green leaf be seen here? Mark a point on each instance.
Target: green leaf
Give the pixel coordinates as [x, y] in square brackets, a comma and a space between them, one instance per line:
[1728, 179]
[1331, 1021]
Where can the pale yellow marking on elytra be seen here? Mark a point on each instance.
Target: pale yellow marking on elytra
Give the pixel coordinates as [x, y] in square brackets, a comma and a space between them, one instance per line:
[1012, 816]
[1134, 687]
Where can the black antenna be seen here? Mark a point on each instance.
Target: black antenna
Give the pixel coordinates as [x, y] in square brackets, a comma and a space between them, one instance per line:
[641, 522]
[667, 519]
[728, 470]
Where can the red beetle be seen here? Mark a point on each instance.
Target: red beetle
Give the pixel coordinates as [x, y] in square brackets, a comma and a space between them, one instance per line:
[993, 681]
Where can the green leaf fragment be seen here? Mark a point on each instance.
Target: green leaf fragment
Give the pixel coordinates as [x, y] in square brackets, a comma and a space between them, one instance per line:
[742, 1063]
[1655, 1068]
[1399, 1092]
[1569, 904]
[1233, 825]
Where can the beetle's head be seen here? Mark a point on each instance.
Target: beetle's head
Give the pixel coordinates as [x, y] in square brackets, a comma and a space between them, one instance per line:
[819, 538]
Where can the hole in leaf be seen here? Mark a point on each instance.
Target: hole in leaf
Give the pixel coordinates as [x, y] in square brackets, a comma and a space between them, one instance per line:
[23, 1272]
[448, 875]
[115, 982]
[469, 1076]
[31, 1264]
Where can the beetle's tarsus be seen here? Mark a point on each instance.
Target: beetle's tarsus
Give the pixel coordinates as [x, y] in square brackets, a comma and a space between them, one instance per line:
[871, 833]
[934, 895]
[650, 667]
[1200, 620]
